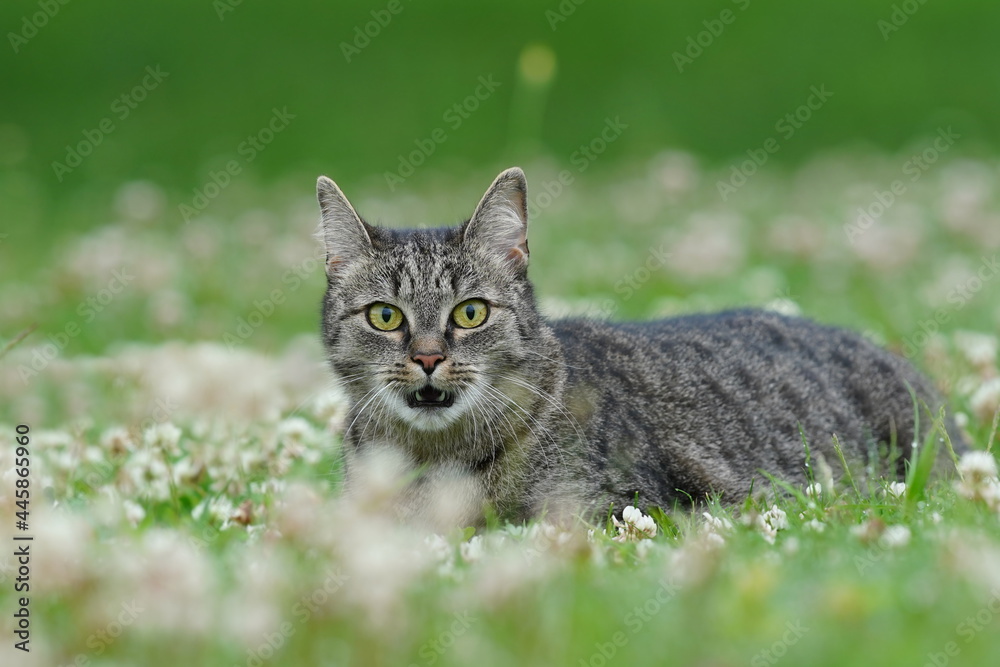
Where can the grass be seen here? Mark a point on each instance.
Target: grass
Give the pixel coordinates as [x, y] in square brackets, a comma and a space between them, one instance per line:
[185, 484]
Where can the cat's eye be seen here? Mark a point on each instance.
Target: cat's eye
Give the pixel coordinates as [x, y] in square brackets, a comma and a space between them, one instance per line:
[384, 316]
[470, 314]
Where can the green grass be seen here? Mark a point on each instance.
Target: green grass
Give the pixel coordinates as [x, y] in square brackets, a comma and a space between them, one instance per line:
[232, 539]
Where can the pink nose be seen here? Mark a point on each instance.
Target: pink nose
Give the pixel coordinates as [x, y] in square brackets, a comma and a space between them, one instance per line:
[429, 361]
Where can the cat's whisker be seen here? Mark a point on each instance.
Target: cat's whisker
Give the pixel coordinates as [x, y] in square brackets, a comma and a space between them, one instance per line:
[480, 402]
[548, 398]
[376, 410]
[373, 393]
[497, 393]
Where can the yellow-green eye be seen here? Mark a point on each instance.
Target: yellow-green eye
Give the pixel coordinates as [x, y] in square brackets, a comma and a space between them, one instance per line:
[384, 317]
[470, 314]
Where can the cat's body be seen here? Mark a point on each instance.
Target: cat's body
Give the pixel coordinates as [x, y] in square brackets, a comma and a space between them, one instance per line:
[437, 340]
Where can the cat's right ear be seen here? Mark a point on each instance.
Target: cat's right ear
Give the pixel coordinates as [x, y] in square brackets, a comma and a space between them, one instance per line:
[345, 235]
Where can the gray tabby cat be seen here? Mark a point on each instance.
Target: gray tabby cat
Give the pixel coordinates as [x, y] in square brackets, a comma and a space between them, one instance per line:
[437, 340]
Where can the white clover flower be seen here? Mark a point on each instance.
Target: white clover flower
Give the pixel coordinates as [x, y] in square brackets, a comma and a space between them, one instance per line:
[164, 436]
[976, 467]
[895, 536]
[220, 509]
[716, 524]
[979, 478]
[147, 475]
[634, 526]
[814, 490]
[441, 552]
[768, 531]
[776, 517]
[331, 407]
[472, 550]
[176, 579]
[642, 548]
[187, 471]
[979, 349]
[294, 429]
[134, 513]
[117, 441]
[895, 490]
[713, 540]
[986, 400]
[815, 525]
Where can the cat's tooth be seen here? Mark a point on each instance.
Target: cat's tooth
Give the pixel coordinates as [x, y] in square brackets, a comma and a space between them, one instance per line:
[441, 396]
[420, 394]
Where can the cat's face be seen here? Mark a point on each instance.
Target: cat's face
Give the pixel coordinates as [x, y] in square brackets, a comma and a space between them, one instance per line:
[426, 327]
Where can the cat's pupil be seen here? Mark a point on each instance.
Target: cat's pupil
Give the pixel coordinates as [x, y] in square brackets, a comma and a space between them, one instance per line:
[470, 312]
[386, 315]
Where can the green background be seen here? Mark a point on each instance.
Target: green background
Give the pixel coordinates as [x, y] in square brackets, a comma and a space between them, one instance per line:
[355, 118]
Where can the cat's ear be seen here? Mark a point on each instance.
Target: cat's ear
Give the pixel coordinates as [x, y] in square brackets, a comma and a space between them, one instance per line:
[345, 235]
[500, 222]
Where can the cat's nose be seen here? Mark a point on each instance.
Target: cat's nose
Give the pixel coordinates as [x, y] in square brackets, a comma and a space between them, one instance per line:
[428, 361]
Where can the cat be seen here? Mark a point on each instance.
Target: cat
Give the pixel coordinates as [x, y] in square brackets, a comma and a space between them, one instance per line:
[437, 340]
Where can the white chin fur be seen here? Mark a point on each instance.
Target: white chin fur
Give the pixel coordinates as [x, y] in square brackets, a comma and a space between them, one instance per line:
[434, 419]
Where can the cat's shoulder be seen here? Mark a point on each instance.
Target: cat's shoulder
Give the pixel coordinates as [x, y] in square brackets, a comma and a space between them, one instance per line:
[744, 321]
[732, 334]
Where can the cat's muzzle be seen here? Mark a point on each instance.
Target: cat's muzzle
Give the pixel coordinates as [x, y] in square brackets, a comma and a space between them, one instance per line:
[429, 396]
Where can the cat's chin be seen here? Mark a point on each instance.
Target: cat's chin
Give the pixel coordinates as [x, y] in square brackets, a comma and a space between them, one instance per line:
[430, 409]
[429, 419]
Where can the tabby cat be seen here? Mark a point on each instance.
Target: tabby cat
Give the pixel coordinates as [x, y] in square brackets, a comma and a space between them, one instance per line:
[438, 343]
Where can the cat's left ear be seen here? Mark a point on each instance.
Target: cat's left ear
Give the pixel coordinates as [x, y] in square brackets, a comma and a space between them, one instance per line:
[500, 222]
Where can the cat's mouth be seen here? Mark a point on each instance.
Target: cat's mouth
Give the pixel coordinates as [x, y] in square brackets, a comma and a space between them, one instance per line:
[430, 397]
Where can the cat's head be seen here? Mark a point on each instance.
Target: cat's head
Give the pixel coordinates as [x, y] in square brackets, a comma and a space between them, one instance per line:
[431, 329]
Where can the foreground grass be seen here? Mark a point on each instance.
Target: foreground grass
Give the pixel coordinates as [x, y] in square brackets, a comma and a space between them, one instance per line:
[185, 547]
[185, 485]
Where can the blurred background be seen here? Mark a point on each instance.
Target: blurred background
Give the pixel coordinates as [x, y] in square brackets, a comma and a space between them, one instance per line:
[178, 144]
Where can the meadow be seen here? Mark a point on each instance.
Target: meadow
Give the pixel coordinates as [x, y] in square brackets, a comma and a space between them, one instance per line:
[185, 480]
[169, 431]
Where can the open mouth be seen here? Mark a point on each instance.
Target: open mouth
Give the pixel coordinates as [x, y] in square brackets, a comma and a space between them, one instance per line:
[430, 397]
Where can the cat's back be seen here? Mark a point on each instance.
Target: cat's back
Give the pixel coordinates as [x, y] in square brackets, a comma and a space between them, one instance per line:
[729, 392]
